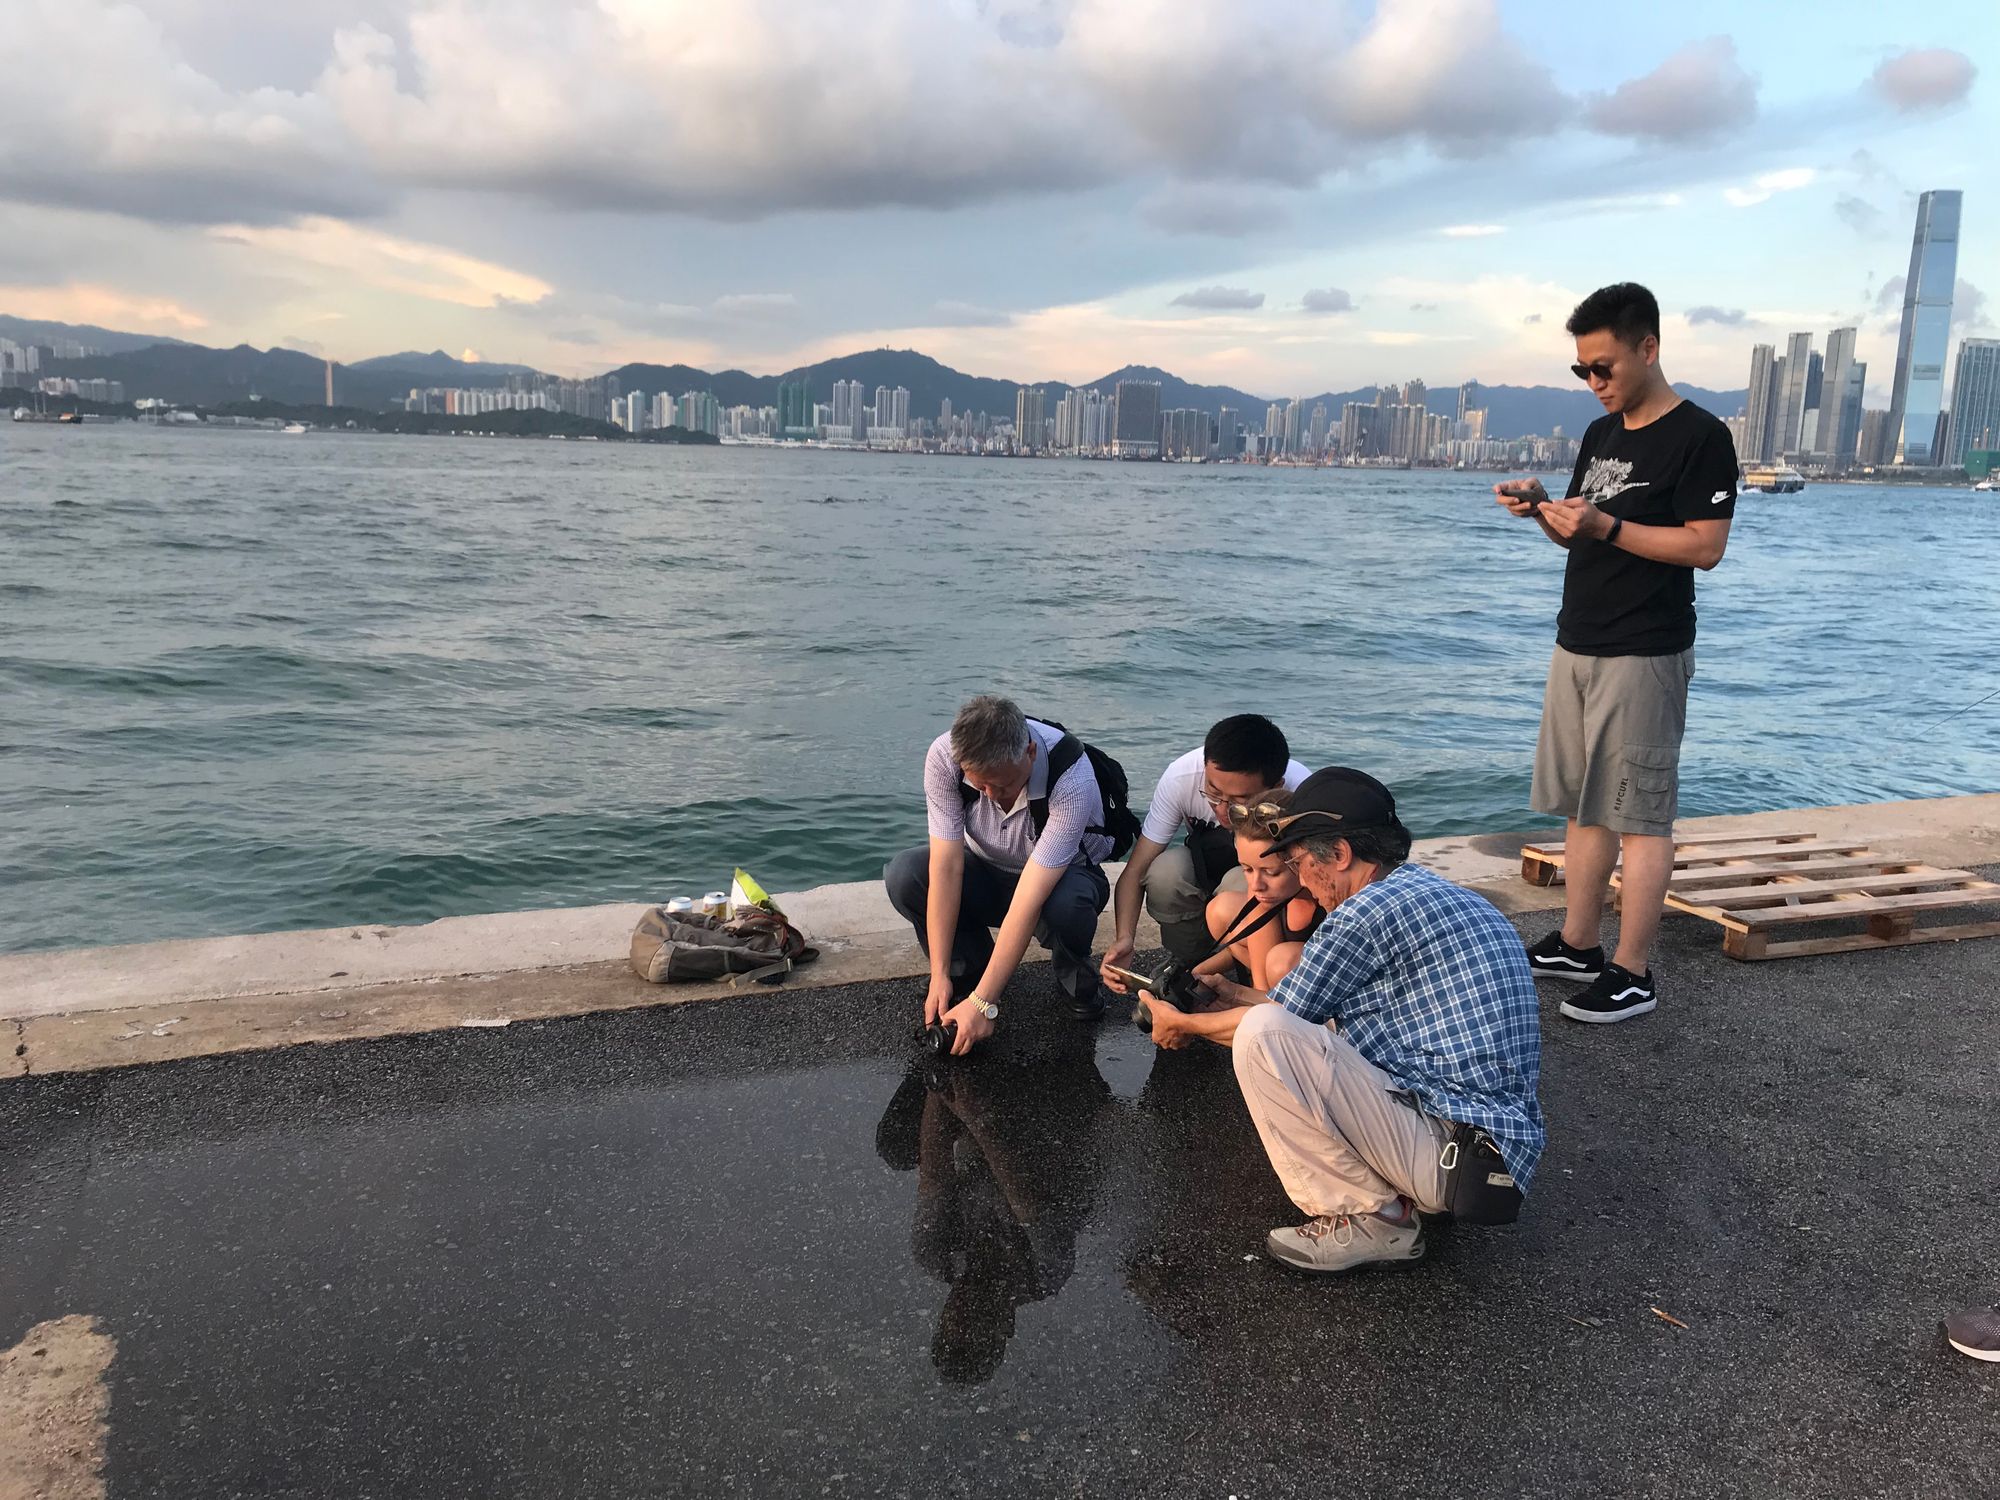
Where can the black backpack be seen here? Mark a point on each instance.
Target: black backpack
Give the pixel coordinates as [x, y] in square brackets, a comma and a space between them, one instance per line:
[1121, 825]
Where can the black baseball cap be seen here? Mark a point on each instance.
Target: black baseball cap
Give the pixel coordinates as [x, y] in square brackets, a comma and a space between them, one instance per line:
[1332, 802]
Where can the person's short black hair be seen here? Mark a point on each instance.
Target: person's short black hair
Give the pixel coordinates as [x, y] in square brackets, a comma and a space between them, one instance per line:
[1627, 309]
[1248, 742]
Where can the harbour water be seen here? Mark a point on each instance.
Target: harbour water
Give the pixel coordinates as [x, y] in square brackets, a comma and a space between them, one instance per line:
[254, 682]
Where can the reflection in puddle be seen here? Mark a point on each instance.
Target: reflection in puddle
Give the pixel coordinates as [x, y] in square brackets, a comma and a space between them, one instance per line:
[1005, 1153]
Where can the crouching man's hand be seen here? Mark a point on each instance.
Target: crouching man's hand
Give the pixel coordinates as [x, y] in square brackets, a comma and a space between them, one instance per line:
[1170, 1023]
[970, 1017]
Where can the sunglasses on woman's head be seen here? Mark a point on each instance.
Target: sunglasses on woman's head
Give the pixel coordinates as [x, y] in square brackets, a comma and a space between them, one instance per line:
[1597, 369]
[1262, 810]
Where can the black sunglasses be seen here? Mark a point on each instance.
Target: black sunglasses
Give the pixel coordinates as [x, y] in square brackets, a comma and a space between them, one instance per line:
[1595, 370]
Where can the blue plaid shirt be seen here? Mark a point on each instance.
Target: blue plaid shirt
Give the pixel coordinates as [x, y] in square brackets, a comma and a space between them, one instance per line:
[1431, 984]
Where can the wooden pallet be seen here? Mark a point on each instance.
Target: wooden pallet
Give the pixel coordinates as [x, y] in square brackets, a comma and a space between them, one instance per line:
[1775, 895]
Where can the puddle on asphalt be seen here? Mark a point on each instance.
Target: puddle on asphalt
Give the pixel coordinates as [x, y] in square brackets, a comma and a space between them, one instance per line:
[766, 1259]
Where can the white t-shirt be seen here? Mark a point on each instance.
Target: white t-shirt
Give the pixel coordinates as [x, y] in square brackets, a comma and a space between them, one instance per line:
[1178, 803]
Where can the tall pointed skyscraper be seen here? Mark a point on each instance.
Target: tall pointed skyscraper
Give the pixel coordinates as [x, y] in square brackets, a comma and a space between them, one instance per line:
[1918, 394]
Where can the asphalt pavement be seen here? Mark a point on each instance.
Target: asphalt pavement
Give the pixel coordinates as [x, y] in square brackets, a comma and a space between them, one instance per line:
[757, 1247]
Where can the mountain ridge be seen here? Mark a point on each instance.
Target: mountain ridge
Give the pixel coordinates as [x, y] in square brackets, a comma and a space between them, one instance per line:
[177, 370]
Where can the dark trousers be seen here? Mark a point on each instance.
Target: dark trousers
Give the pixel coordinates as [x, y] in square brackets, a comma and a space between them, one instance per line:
[1067, 928]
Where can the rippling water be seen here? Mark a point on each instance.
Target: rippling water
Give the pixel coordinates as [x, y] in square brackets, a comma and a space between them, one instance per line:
[254, 682]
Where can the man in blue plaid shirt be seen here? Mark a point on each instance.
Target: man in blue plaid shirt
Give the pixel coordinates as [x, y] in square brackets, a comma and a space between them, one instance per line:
[1437, 1022]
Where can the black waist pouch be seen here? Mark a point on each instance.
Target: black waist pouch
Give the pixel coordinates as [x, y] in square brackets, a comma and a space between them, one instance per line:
[1478, 1188]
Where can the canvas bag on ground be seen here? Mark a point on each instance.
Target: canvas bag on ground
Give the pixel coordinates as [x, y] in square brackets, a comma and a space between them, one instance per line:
[754, 945]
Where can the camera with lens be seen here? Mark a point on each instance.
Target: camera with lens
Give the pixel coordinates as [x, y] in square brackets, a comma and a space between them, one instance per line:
[1173, 983]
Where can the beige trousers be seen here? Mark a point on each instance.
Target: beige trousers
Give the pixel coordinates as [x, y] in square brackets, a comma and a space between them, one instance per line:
[1341, 1144]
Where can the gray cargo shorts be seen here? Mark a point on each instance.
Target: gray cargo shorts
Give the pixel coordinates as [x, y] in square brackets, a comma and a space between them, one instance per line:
[1610, 749]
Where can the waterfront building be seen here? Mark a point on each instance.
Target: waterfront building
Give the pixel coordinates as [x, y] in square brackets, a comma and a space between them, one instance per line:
[1029, 420]
[1415, 393]
[1294, 437]
[1789, 416]
[1759, 403]
[1469, 400]
[1875, 444]
[1137, 423]
[795, 410]
[1227, 421]
[1316, 437]
[1358, 429]
[1916, 398]
[1839, 402]
[1975, 401]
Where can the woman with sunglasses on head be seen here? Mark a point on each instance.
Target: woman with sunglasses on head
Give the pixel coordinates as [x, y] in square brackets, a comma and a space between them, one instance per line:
[1266, 930]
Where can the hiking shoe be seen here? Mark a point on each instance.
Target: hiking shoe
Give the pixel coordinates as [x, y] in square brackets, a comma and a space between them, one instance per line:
[1975, 1332]
[1615, 995]
[1340, 1242]
[1553, 958]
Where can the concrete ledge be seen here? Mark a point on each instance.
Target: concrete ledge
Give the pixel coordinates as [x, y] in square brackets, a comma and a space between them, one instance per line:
[103, 1007]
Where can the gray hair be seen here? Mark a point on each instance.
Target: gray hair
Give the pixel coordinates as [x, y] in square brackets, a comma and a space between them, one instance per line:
[1385, 848]
[989, 732]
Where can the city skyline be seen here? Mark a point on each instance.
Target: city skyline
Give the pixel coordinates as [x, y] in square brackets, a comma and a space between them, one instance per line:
[1053, 188]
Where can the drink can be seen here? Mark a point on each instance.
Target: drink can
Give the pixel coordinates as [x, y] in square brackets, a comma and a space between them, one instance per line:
[681, 906]
[716, 904]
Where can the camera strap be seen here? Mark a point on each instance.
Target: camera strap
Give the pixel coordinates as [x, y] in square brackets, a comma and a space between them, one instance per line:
[1231, 935]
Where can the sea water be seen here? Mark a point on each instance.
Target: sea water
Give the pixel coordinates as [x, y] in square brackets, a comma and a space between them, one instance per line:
[255, 682]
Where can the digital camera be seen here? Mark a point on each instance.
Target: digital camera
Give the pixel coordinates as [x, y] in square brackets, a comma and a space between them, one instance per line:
[1172, 983]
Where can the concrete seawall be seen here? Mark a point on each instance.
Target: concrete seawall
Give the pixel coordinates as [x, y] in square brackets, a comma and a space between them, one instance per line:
[149, 1002]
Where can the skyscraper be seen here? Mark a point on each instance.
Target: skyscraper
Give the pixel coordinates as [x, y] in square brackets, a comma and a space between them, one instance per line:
[1226, 422]
[1030, 407]
[1759, 402]
[795, 410]
[1136, 429]
[1917, 396]
[1791, 407]
[1468, 399]
[1839, 408]
[1975, 400]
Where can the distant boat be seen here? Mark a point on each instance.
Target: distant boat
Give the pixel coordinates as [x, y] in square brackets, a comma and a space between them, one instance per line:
[293, 429]
[1773, 479]
[1988, 484]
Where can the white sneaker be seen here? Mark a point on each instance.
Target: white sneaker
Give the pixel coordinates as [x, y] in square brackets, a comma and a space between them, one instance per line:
[1340, 1242]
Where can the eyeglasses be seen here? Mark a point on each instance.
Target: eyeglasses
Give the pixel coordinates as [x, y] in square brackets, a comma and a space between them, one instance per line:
[1597, 369]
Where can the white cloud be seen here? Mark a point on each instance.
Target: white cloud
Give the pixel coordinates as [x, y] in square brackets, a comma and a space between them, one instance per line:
[1699, 93]
[1471, 231]
[1441, 71]
[1925, 78]
[746, 109]
[1786, 180]
[389, 262]
[1220, 299]
[106, 307]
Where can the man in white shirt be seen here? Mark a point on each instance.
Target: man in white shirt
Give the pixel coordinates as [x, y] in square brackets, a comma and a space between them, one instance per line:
[1244, 757]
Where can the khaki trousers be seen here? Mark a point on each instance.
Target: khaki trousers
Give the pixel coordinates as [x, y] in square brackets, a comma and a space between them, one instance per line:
[1339, 1140]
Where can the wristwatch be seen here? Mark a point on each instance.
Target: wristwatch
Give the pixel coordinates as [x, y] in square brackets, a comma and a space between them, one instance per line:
[986, 1007]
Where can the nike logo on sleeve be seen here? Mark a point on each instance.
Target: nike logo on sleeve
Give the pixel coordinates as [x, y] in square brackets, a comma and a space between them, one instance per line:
[1718, 497]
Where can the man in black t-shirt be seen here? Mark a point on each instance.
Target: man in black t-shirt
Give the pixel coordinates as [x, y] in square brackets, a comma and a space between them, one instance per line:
[1650, 501]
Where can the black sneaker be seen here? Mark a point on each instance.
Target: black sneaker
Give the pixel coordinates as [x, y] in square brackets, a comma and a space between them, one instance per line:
[1615, 995]
[1976, 1332]
[1552, 958]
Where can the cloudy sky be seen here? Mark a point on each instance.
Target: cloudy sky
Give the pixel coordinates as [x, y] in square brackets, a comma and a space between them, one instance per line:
[1286, 195]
